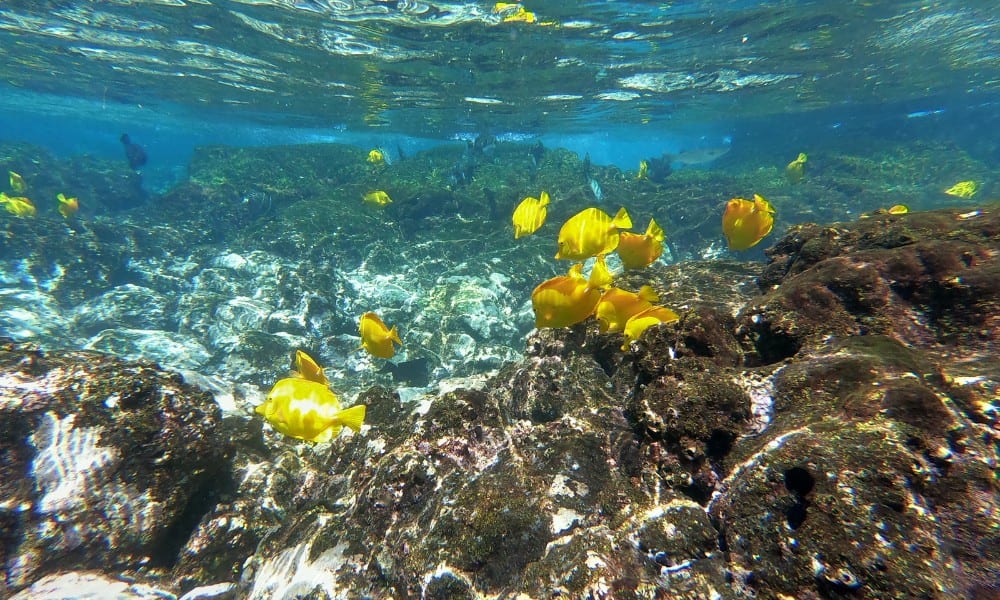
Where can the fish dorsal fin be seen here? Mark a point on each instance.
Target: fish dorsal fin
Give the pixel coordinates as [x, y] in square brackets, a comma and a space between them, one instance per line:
[600, 276]
[654, 231]
[622, 220]
[648, 294]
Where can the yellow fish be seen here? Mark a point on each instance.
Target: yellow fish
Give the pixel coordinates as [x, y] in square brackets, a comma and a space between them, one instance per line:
[642, 321]
[898, 209]
[963, 189]
[17, 205]
[67, 206]
[377, 198]
[530, 215]
[569, 299]
[307, 410]
[376, 338]
[617, 306]
[591, 232]
[638, 251]
[796, 169]
[513, 12]
[746, 222]
[643, 170]
[309, 369]
[17, 184]
[376, 157]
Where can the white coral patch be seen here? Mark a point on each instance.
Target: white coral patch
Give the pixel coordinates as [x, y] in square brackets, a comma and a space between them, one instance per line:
[68, 464]
[292, 575]
[563, 520]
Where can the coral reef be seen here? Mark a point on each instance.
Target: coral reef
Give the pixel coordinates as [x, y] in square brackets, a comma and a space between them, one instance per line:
[824, 425]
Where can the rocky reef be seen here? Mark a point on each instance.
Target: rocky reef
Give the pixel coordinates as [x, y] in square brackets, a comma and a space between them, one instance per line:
[831, 432]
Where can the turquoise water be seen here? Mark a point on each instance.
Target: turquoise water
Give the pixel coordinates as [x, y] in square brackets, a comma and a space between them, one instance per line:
[620, 80]
[245, 237]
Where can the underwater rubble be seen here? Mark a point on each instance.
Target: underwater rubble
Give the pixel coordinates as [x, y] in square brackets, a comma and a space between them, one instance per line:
[830, 433]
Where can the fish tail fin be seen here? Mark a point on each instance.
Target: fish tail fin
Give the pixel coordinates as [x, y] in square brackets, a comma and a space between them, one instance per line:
[802, 157]
[600, 276]
[654, 231]
[648, 294]
[622, 220]
[353, 417]
[543, 198]
[394, 335]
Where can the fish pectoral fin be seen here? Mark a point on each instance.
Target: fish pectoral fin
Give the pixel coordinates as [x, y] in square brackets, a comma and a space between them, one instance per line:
[353, 417]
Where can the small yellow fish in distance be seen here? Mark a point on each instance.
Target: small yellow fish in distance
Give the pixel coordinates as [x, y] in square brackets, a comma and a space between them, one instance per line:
[530, 215]
[377, 198]
[67, 206]
[617, 306]
[17, 206]
[591, 232]
[376, 157]
[963, 189]
[639, 251]
[746, 222]
[898, 209]
[513, 12]
[307, 410]
[307, 368]
[643, 170]
[642, 321]
[796, 169]
[17, 184]
[376, 338]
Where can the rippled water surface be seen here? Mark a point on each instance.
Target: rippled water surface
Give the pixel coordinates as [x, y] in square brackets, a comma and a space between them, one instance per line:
[434, 68]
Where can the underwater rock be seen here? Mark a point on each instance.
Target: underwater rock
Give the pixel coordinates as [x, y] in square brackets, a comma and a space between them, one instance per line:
[127, 306]
[110, 464]
[89, 586]
[928, 278]
[739, 451]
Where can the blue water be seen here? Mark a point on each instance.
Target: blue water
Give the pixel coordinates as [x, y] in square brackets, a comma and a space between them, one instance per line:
[618, 81]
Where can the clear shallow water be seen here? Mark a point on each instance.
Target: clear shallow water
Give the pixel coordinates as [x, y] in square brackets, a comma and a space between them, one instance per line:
[617, 79]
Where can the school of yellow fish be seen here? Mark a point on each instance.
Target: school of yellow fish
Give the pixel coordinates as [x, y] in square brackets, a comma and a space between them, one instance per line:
[22, 206]
[303, 406]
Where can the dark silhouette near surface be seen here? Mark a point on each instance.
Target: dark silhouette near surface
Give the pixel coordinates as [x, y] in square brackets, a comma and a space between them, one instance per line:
[134, 153]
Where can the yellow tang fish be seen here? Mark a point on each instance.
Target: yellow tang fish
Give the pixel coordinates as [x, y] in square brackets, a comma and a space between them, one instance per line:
[17, 206]
[591, 232]
[643, 170]
[376, 157]
[17, 184]
[638, 251]
[963, 189]
[617, 306]
[378, 198]
[513, 12]
[67, 206]
[796, 169]
[307, 410]
[747, 222]
[569, 299]
[309, 369]
[642, 321]
[530, 215]
[898, 209]
[376, 338]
